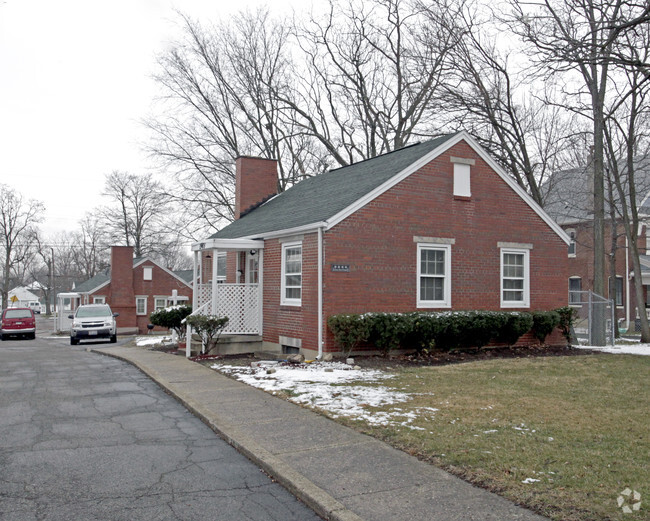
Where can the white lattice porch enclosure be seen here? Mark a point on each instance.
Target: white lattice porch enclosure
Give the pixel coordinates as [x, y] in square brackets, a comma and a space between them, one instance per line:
[239, 302]
[203, 297]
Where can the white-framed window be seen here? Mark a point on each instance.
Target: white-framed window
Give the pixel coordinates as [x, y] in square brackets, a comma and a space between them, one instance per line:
[575, 288]
[159, 303]
[515, 278]
[140, 305]
[221, 267]
[434, 276]
[618, 291]
[147, 273]
[291, 274]
[462, 184]
[99, 300]
[252, 268]
[572, 244]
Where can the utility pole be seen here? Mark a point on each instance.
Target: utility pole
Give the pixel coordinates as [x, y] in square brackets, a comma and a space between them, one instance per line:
[53, 285]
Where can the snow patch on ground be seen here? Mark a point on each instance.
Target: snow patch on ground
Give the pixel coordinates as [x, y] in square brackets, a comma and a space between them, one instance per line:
[622, 349]
[151, 340]
[333, 387]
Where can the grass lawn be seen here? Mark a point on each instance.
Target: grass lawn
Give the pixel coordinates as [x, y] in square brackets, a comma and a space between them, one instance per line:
[563, 435]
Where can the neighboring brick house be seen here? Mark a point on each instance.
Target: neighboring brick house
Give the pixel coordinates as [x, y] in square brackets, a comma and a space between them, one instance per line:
[433, 226]
[134, 287]
[569, 201]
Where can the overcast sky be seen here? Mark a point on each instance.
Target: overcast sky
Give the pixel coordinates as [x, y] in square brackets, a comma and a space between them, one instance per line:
[75, 82]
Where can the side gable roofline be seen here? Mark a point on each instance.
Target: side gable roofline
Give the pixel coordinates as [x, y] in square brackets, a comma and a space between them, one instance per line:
[92, 290]
[143, 259]
[414, 167]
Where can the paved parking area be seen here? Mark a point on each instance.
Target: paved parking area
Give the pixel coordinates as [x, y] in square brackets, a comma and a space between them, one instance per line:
[84, 436]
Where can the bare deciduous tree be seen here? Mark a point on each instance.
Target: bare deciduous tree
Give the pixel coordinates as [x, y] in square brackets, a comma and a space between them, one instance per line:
[218, 105]
[90, 249]
[372, 71]
[18, 220]
[134, 218]
[627, 139]
[575, 39]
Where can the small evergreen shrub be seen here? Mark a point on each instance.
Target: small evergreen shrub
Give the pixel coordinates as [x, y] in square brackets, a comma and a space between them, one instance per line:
[516, 324]
[209, 327]
[567, 316]
[388, 330]
[544, 322]
[171, 318]
[349, 331]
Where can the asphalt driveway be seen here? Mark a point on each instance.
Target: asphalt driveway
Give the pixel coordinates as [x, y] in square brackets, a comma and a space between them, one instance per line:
[84, 436]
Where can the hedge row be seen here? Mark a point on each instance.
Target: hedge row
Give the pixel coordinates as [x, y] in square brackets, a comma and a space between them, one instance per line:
[446, 330]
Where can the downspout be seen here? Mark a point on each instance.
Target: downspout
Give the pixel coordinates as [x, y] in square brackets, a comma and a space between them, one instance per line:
[320, 294]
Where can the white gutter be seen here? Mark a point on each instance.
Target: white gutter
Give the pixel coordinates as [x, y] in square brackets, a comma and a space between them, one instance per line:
[320, 294]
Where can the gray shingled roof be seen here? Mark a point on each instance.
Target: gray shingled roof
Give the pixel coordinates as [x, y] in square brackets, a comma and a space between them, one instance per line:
[186, 275]
[569, 193]
[93, 282]
[105, 276]
[319, 198]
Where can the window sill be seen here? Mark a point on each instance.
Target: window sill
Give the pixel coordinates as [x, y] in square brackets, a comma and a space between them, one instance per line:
[290, 307]
[462, 198]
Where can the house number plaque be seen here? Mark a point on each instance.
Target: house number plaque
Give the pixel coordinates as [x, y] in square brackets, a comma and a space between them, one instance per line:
[341, 268]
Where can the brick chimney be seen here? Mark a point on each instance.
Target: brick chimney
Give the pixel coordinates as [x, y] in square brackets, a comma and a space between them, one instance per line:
[122, 297]
[256, 179]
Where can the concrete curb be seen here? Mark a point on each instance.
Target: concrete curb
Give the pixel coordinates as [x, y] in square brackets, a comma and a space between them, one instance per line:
[313, 496]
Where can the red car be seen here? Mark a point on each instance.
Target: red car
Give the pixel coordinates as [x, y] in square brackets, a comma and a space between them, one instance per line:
[18, 321]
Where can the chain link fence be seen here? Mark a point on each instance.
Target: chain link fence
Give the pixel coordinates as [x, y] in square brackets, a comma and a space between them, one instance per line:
[596, 320]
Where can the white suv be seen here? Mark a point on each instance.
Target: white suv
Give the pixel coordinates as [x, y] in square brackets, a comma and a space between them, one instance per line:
[93, 321]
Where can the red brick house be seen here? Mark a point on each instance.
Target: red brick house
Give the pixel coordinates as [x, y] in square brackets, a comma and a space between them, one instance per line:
[433, 226]
[134, 287]
[569, 201]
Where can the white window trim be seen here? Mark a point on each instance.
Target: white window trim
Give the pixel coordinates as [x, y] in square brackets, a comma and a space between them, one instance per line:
[99, 299]
[147, 270]
[525, 303]
[141, 297]
[573, 241]
[462, 180]
[283, 300]
[160, 297]
[446, 302]
[579, 303]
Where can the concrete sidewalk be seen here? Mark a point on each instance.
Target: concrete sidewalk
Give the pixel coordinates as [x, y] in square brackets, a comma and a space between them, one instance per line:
[341, 474]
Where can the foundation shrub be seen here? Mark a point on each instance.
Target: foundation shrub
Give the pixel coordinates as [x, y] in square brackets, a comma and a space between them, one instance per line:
[567, 316]
[444, 331]
[388, 330]
[516, 324]
[349, 331]
[544, 322]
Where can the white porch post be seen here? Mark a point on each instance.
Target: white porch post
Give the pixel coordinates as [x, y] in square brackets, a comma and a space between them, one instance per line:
[196, 270]
[215, 273]
[260, 291]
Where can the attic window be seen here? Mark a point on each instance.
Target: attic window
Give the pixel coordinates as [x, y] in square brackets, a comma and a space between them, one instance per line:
[462, 179]
[148, 273]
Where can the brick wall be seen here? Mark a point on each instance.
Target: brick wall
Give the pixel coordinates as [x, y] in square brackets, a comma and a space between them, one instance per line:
[160, 285]
[582, 263]
[376, 242]
[291, 321]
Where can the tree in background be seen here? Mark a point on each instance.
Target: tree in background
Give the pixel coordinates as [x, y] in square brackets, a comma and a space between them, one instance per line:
[218, 105]
[18, 220]
[135, 216]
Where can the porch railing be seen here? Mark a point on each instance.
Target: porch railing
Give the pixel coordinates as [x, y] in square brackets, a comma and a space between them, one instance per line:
[239, 302]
